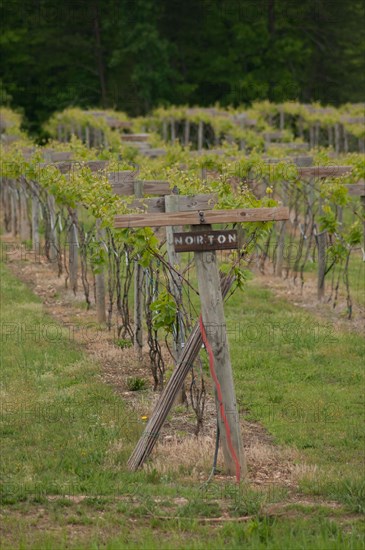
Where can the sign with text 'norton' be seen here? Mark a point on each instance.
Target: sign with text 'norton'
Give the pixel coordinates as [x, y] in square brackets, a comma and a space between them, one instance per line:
[205, 240]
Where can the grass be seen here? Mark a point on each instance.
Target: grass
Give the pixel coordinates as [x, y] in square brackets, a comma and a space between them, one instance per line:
[66, 437]
[304, 381]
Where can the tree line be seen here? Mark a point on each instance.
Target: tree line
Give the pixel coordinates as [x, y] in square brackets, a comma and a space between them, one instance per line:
[133, 55]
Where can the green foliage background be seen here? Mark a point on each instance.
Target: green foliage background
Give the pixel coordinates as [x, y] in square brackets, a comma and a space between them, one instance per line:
[133, 55]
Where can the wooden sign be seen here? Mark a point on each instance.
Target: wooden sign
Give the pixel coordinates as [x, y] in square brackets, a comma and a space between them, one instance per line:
[199, 241]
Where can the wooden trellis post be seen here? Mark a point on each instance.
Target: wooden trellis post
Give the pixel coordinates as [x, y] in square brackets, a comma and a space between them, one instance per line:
[321, 240]
[358, 190]
[66, 166]
[321, 173]
[24, 223]
[164, 130]
[200, 135]
[173, 131]
[73, 257]
[138, 289]
[100, 282]
[14, 208]
[211, 301]
[171, 205]
[35, 222]
[204, 242]
[281, 237]
[187, 132]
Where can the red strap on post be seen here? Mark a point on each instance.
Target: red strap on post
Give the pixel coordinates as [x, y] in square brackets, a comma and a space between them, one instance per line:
[220, 399]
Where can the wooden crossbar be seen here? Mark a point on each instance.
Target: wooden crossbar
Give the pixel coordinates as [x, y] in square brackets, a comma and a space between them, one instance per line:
[356, 189]
[134, 137]
[183, 203]
[324, 171]
[209, 217]
[68, 166]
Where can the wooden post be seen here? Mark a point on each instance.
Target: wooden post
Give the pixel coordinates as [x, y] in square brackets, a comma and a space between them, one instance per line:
[311, 137]
[187, 132]
[317, 133]
[282, 119]
[164, 130]
[362, 199]
[100, 282]
[6, 204]
[14, 209]
[73, 254]
[337, 137]
[87, 136]
[189, 354]
[211, 296]
[214, 322]
[138, 287]
[321, 239]
[173, 132]
[281, 240]
[200, 136]
[345, 141]
[35, 225]
[52, 228]
[171, 205]
[24, 226]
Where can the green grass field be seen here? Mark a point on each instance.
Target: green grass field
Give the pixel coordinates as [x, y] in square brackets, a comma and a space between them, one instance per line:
[59, 423]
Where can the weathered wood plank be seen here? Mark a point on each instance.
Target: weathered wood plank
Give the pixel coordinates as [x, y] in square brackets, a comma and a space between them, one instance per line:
[153, 205]
[69, 166]
[353, 120]
[356, 189]
[115, 123]
[124, 176]
[210, 216]
[57, 156]
[95, 165]
[183, 203]
[122, 182]
[153, 153]
[290, 145]
[274, 135]
[156, 187]
[324, 171]
[135, 137]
